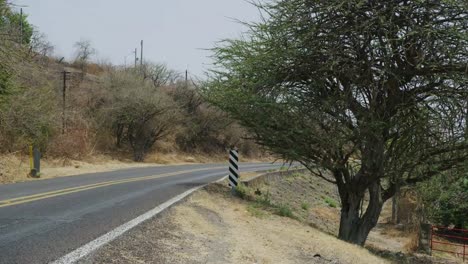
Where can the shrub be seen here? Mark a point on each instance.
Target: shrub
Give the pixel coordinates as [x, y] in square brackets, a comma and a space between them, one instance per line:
[305, 206]
[137, 113]
[241, 191]
[331, 202]
[445, 199]
[74, 144]
[264, 200]
[28, 116]
[285, 211]
[207, 129]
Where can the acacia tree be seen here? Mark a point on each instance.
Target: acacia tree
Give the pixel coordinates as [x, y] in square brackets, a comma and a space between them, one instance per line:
[367, 95]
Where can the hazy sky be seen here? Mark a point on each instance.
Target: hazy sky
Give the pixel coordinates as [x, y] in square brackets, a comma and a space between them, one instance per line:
[174, 31]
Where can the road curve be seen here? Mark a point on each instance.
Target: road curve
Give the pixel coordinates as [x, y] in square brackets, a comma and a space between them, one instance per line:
[41, 221]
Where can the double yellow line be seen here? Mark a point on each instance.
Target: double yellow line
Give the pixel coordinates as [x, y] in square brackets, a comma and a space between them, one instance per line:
[45, 195]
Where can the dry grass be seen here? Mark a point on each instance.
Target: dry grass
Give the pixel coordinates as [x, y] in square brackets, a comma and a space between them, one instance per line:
[213, 227]
[449, 256]
[413, 243]
[13, 168]
[248, 175]
[327, 213]
[299, 189]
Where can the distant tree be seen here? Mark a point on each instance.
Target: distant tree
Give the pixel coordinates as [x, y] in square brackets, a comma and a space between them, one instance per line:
[159, 74]
[365, 94]
[83, 53]
[40, 45]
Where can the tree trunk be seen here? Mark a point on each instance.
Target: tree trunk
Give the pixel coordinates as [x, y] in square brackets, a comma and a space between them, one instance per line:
[138, 155]
[355, 227]
[141, 145]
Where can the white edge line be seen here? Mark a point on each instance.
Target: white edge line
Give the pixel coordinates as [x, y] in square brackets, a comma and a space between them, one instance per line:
[88, 248]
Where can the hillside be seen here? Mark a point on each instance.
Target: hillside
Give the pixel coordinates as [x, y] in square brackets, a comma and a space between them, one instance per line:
[93, 118]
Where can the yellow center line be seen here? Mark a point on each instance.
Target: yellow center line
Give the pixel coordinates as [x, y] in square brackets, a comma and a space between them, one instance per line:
[45, 195]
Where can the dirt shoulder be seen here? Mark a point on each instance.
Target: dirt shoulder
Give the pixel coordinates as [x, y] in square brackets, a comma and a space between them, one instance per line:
[15, 168]
[213, 227]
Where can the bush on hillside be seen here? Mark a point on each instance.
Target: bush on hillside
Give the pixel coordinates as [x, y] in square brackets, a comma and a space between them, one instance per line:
[137, 113]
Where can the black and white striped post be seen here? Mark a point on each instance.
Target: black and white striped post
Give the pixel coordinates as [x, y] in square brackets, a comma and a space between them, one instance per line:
[233, 168]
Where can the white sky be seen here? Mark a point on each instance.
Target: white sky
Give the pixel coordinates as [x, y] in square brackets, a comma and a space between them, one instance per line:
[175, 32]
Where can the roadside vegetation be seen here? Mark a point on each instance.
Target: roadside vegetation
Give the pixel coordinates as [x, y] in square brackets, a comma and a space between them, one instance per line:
[313, 202]
[104, 110]
[368, 95]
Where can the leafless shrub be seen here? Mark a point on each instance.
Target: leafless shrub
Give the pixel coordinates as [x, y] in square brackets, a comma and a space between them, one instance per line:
[136, 112]
[83, 53]
[28, 117]
[206, 129]
[159, 74]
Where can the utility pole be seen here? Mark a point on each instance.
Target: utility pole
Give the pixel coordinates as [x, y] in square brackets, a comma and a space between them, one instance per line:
[21, 26]
[64, 102]
[141, 55]
[186, 78]
[136, 58]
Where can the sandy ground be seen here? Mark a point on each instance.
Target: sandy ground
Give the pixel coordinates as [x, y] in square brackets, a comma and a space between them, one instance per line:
[212, 227]
[386, 236]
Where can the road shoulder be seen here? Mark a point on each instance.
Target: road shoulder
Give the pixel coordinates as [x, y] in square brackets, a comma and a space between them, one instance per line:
[213, 227]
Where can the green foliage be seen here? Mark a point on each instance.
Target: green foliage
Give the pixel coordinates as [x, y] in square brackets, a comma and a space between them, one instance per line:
[331, 202]
[256, 211]
[445, 199]
[264, 200]
[284, 210]
[9, 36]
[371, 91]
[11, 21]
[15, 21]
[242, 191]
[6, 84]
[305, 206]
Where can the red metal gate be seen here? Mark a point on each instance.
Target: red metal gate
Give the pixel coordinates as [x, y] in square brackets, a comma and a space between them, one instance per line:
[450, 240]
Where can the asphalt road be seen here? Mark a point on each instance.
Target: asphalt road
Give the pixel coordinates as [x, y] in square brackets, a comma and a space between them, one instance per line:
[41, 221]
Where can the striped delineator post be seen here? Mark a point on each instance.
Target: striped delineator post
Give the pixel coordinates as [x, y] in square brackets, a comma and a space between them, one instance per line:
[233, 168]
